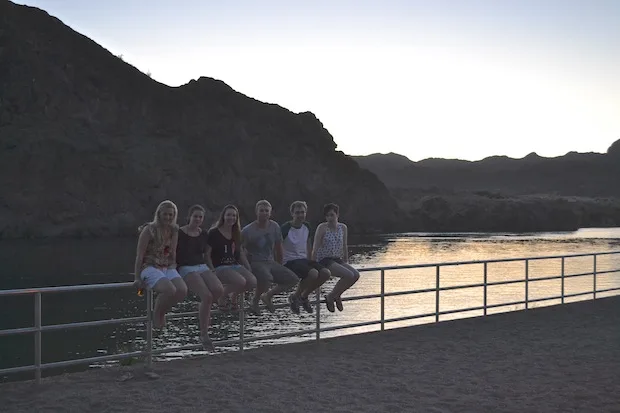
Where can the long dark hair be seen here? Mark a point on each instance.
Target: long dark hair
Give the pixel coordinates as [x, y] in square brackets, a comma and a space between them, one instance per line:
[236, 228]
[194, 208]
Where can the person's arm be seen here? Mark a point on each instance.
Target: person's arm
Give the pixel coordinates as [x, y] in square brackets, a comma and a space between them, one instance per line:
[309, 248]
[143, 241]
[243, 259]
[278, 252]
[345, 244]
[208, 259]
[309, 243]
[173, 248]
[208, 250]
[318, 237]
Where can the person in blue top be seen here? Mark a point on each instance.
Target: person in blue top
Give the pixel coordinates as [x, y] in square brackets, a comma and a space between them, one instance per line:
[297, 246]
[262, 239]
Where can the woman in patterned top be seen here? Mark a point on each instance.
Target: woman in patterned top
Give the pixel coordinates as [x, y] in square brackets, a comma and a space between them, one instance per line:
[155, 265]
[331, 251]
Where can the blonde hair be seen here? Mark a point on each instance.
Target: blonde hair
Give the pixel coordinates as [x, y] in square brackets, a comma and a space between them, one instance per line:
[262, 202]
[157, 219]
[298, 204]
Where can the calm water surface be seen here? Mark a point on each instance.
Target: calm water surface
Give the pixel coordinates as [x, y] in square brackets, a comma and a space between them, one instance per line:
[67, 262]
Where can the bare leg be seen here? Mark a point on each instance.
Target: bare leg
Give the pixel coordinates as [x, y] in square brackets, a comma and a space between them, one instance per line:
[296, 299]
[307, 283]
[216, 290]
[284, 278]
[180, 292]
[322, 277]
[197, 285]
[348, 276]
[165, 295]
[213, 283]
[264, 279]
[234, 282]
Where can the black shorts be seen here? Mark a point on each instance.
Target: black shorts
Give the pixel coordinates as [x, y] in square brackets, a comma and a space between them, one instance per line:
[327, 261]
[302, 266]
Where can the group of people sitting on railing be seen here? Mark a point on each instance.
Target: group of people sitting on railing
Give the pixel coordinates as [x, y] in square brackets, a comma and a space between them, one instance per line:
[220, 264]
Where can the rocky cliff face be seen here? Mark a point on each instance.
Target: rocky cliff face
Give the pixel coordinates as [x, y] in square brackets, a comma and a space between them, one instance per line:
[89, 145]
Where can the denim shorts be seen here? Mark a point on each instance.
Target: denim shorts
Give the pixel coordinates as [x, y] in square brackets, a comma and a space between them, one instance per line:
[188, 269]
[151, 275]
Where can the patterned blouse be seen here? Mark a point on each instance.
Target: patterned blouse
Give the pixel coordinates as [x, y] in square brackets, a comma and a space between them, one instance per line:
[331, 246]
[159, 249]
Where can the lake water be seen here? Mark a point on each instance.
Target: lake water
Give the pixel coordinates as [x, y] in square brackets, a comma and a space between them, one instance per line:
[67, 262]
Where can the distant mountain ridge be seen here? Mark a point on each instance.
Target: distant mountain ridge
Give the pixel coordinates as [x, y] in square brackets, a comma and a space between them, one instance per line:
[573, 174]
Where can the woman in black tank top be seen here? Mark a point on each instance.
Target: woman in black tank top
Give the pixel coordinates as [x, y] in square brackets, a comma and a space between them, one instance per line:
[191, 260]
[226, 257]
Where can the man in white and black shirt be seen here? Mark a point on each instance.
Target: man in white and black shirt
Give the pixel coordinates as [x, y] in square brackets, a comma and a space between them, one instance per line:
[297, 245]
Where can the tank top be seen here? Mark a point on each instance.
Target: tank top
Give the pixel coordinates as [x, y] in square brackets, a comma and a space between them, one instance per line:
[159, 249]
[331, 245]
[191, 249]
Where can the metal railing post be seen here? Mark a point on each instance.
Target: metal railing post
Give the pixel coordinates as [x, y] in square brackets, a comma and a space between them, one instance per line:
[594, 278]
[241, 302]
[317, 300]
[149, 328]
[437, 294]
[527, 283]
[37, 337]
[382, 300]
[485, 289]
[562, 293]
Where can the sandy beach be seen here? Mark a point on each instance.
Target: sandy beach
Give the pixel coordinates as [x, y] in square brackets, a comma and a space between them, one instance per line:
[554, 359]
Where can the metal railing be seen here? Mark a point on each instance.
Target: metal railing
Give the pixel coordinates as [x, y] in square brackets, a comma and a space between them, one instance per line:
[148, 353]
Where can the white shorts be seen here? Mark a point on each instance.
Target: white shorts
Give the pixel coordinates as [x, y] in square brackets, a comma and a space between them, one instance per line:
[151, 275]
[188, 269]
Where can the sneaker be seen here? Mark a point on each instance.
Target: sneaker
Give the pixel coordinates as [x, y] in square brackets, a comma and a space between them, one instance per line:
[255, 308]
[329, 303]
[305, 303]
[293, 301]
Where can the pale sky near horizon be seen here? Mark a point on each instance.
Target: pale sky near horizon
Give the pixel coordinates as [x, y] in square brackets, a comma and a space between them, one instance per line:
[444, 78]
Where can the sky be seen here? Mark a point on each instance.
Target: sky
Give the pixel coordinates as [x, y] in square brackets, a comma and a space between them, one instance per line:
[460, 79]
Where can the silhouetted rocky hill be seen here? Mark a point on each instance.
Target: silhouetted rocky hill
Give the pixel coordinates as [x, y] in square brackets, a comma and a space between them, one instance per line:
[89, 145]
[504, 194]
[574, 174]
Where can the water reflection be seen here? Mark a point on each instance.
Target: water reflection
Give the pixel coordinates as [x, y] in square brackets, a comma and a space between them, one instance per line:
[89, 261]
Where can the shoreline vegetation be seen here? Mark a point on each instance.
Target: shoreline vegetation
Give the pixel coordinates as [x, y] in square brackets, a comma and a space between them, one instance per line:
[430, 212]
[485, 211]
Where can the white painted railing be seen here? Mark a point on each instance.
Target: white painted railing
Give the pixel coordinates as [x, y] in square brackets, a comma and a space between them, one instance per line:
[148, 353]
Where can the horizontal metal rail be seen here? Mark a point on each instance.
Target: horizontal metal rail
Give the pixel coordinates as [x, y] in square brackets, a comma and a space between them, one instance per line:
[481, 262]
[149, 351]
[66, 289]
